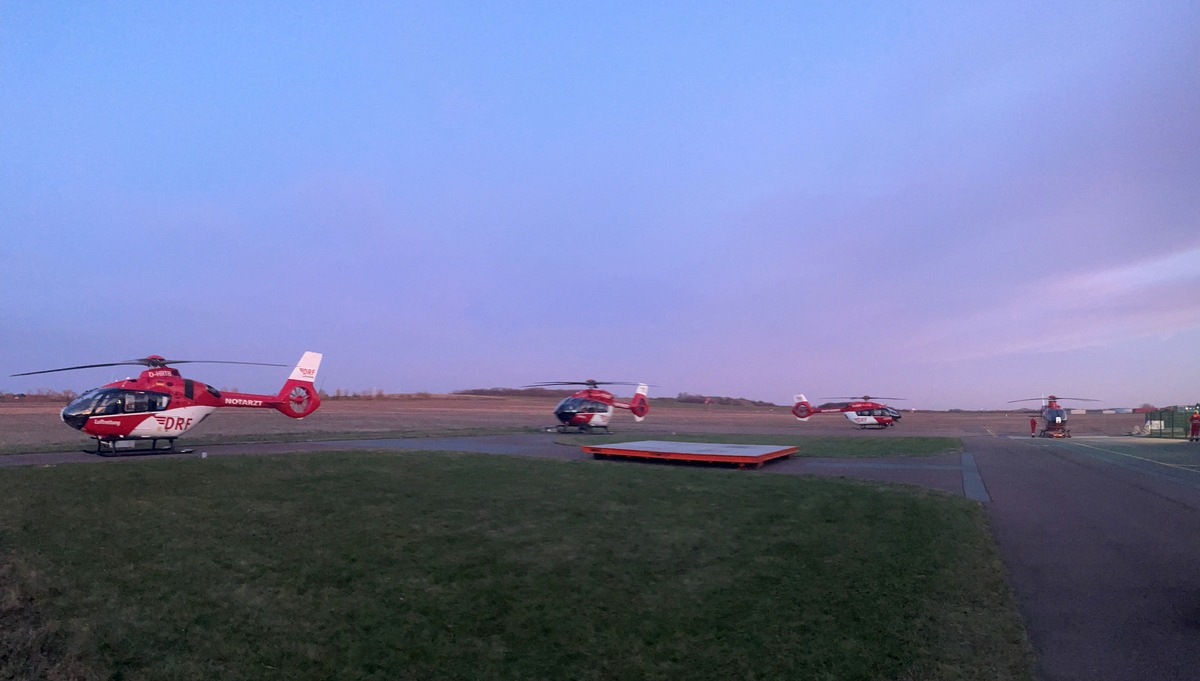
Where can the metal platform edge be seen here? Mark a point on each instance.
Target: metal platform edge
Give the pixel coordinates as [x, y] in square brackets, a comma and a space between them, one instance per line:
[602, 452]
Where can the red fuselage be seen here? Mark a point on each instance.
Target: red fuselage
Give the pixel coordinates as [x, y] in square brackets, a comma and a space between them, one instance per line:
[160, 404]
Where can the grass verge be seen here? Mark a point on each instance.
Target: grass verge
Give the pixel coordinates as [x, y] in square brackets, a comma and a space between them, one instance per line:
[808, 446]
[443, 565]
[193, 441]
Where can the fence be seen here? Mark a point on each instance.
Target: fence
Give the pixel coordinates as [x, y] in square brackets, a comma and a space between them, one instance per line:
[1170, 422]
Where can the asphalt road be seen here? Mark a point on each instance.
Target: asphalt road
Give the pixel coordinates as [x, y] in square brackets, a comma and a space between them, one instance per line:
[1101, 536]
[1102, 543]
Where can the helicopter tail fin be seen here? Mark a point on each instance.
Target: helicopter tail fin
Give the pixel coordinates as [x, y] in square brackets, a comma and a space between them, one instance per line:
[298, 397]
[639, 405]
[802, 409]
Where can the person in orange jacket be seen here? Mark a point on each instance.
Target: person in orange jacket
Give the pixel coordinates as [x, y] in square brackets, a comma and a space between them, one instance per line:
[1195, 434]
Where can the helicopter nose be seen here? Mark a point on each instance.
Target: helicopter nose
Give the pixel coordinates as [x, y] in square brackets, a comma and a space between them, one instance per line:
[76, 413]
[73, 418]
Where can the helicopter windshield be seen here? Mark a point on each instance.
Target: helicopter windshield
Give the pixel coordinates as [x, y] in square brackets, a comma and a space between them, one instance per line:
[580, 405]
[96, 402]
[1055, 415]
[106, 401]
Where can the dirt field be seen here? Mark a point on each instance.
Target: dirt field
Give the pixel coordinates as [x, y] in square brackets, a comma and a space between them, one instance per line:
[37, 425]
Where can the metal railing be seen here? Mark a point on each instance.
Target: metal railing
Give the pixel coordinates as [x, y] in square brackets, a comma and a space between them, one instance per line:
[1170, 422]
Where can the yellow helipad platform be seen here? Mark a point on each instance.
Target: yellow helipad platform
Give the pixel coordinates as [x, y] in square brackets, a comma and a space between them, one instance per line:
[742, 456]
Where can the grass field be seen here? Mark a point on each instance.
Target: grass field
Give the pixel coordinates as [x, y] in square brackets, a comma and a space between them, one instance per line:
[807, 445]
[438, 565]
[81, 443]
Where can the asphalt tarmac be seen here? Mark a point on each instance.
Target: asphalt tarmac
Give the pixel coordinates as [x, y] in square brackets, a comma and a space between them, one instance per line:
[1101, 536]
[1102, 543]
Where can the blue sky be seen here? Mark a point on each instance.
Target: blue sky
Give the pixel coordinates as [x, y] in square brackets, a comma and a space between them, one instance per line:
[957, 203]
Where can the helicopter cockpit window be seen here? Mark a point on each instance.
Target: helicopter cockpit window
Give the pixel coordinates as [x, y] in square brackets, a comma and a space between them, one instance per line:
[570, 404]
[84, 404]
[111, 401]
[108, 402]
[581, 405]
[136, 402]
[1056, 415]
[145, 401]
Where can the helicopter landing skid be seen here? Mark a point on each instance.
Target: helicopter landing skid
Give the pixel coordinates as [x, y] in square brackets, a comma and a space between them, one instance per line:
[563, 428]
[112, 448]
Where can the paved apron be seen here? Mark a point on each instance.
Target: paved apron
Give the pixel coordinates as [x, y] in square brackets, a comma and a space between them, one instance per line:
[1103, 554]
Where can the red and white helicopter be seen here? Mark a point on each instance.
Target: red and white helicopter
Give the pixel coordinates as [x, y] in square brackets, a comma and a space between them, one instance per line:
[862, 411]
[1054, 416]
[160, 404]
[592, 408]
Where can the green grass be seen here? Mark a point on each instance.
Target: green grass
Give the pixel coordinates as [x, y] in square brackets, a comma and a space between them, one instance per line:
[192, 441]
[808, 446]
[74, 444]
[355, 435]
[381, 565]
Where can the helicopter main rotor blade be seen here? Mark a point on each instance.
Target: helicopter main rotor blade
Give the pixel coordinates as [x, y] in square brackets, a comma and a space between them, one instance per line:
[865, 398]
[147, 362]
[550, 383]
[81, 366]
[1054, 397]
[220, 361]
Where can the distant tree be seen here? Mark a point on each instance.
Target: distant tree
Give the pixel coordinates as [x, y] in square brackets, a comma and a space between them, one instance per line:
[514, 392]
[688, 398]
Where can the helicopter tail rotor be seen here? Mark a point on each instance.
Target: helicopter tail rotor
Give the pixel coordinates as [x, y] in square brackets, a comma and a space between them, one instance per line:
[802, 409]
[639, 405]
[299, 396]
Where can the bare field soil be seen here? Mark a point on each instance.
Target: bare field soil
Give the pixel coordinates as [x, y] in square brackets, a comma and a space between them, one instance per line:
[37, 425]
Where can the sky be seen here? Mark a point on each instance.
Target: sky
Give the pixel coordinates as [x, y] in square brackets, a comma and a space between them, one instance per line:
[958, 204]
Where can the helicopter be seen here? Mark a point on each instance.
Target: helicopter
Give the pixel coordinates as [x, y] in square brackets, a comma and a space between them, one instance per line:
[1054, 415]
[592, 408]
[160, 404]
[862, 411]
